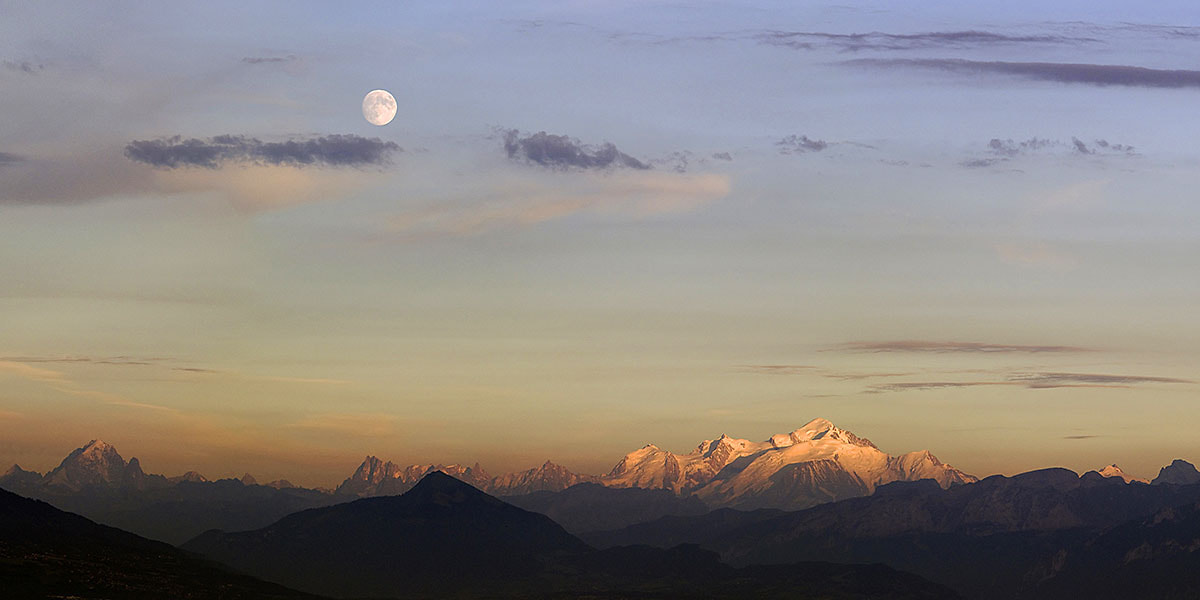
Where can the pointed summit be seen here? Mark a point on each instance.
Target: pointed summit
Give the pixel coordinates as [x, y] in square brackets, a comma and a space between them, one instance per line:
[96, 463]
[1115, 471]
[248, 479]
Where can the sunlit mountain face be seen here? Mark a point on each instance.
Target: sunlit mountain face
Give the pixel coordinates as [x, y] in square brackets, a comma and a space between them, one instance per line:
[599, 299]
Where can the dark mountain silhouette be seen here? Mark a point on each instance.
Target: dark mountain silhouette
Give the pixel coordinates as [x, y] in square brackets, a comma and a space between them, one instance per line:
[594, 507]
[446, 535]
[998, 538]
[96, 482]
[446, 539]
[1179, 472]
[48, 553]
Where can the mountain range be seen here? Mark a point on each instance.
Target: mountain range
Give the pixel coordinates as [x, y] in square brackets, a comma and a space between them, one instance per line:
[815, 463]
[446, 539]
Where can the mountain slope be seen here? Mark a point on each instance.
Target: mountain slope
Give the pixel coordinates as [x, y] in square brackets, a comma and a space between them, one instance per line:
[1179, 472]
[593, 507]
[993, 539]
[45, 553]
[446, 539]
[353, 549]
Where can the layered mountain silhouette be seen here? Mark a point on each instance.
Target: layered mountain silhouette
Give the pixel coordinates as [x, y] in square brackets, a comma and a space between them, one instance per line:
[96, 482]
[1003, 537]
[446, 539]
[48, 553]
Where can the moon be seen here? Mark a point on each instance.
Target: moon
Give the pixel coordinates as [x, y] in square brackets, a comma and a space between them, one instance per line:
[379, 107]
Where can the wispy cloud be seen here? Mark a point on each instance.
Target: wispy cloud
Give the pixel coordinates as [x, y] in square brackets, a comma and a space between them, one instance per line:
[875, 40]
[1053, 380]
[23, 66]
[1087, 74]
[562, 152]
[259, 60]
[948, 347]
[800, 144]
[1080, 437]
[7, 158]
[780, 369]
[29, 372]
[998, 151]
[1034, 381]
[336, 150]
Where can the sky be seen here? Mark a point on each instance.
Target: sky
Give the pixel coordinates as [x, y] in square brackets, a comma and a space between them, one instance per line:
[594, 225]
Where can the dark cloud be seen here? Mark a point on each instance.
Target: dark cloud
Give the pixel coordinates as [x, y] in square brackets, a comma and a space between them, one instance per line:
[799, 144]
[1089, 74]
[1053, 380]
[854, 42]
[1003, 150]
[258, 60]
[9, 159]
[23, 66]
[1080, 437]
[562, 152]
[951, 347]
[722, 156]
[337, 150]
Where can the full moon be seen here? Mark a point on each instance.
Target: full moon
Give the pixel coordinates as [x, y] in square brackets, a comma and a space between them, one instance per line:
[379, 107]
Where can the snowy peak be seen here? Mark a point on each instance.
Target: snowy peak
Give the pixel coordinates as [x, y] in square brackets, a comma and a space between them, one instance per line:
[817, 462]
[96, 463]
[1115, 471]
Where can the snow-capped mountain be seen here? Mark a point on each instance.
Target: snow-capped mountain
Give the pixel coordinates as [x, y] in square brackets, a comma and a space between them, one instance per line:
[377, 478]
[816, 463]
[547, 478]
[1115, 471]
[99, 464]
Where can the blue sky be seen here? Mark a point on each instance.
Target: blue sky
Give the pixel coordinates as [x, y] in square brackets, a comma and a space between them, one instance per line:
[946, 226]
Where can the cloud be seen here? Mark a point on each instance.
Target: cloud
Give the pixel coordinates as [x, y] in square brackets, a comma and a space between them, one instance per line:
[335, 150]
[1053, 380]
[562, 152]
[722, 156]
[523, 203]
[1003, 150]
[952, 347]
[928, 385]
[258, 60]
[99, 360]
[9, 159]
[1080, 437]
[855, 42]
[1088, 74]
[1033, 381]
[800, 144]
[31, 373]
[780, 369]
[23, 66]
